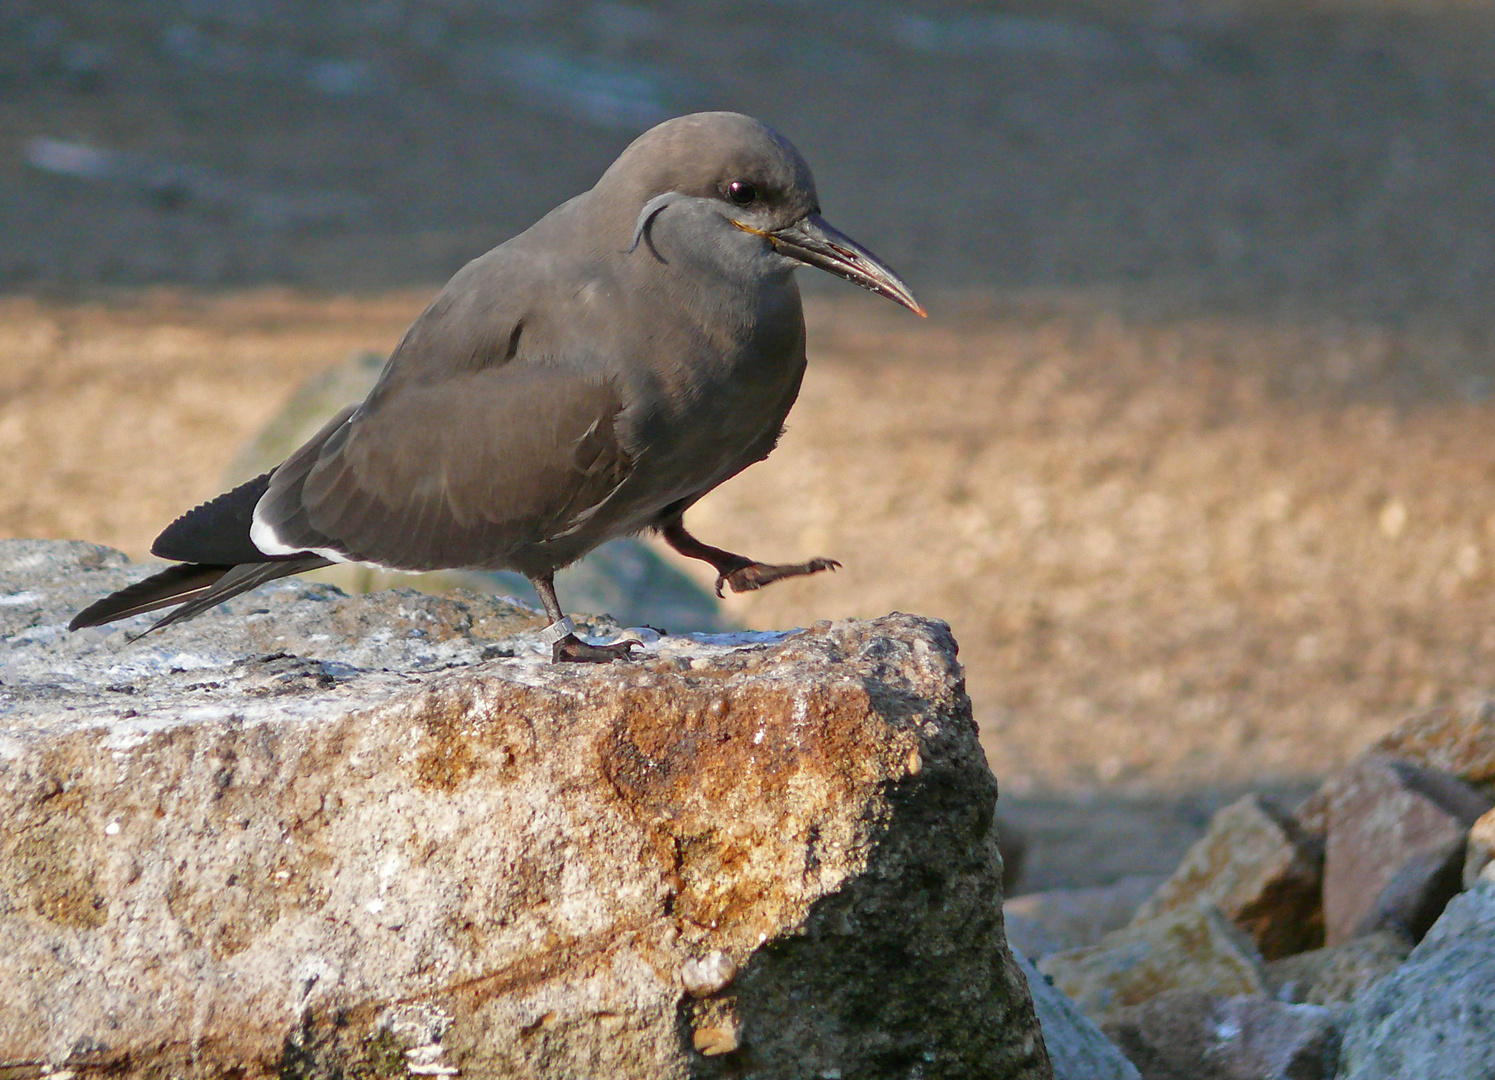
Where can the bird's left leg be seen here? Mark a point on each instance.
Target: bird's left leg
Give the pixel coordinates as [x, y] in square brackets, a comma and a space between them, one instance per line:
[737, 572]
[565, 646]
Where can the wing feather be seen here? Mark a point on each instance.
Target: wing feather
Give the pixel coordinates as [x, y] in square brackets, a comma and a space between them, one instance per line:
[461, 473]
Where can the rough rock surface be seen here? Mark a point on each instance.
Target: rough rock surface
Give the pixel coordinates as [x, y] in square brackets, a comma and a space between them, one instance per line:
[1193, 948]
[1257, 867]
[1077, 1048]
[1057, 919]
[376, 836]
[1337, 974]
[1187, 1035]
[1460, 741]
[1432, 1018]
[1395, 849]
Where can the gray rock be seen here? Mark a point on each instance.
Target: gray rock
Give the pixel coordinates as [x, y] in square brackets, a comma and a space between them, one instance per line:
[1433, 1017]
[1187, 1035]
[1077, 1048]
[1337, 974]
[318, 835]
[1057, 919]
[625, 578]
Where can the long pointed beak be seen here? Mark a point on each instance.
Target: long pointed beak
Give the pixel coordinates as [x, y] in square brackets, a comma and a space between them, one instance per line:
[814, 241]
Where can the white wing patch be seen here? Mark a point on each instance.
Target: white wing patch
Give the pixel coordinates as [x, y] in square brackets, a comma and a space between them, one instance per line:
[263, 536]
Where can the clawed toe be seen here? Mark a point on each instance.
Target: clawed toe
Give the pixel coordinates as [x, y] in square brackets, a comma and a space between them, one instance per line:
[572, 650]
[756, 575]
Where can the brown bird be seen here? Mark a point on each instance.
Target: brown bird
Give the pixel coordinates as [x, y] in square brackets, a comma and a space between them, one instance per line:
[588, 379]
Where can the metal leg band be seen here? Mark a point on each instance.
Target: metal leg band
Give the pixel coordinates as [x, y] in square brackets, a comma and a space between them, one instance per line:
[557, 630]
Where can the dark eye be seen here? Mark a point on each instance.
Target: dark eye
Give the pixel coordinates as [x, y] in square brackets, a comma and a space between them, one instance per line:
[741, 192]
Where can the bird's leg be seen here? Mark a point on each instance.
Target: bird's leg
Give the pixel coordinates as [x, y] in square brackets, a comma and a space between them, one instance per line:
[567, 647]
[737, 572]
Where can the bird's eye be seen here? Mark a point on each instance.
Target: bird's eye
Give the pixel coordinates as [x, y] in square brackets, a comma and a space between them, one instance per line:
[741, 192]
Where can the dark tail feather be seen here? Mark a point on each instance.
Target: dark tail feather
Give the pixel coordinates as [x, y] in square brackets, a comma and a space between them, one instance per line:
[195, 586]
[217, 532]
[241, 579]
[170, 586]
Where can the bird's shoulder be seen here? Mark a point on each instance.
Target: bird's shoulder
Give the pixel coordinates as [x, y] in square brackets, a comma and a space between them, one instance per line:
[545, 296]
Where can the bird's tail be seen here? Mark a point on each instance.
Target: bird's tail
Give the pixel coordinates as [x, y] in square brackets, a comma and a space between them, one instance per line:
[194, 586]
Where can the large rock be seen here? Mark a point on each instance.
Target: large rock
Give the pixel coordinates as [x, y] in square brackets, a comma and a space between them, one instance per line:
[317, 835]
[625, 578]
[1193, 948]
[1258, 868]
[1432, 1018]
[1396, 846]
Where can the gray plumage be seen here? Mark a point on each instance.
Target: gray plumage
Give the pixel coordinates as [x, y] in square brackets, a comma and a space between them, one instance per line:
[588, 379]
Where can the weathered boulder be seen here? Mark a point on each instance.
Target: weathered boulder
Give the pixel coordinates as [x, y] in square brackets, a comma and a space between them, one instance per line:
[1188, 1035]
[1432, 1017]
[1255, 865]
[1193, 948]
[316, 835]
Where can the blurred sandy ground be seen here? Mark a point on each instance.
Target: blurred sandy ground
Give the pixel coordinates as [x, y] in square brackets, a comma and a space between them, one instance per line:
[1178, 551]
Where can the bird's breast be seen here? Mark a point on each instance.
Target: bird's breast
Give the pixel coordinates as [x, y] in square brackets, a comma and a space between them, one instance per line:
[712, 399]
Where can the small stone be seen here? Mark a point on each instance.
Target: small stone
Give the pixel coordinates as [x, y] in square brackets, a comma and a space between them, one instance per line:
[1431, 1019]
[705, 975]
[715, 1028]
[1260, 870]
[714, 1040]
[1336, 974]
[1190, 1035]
[1395, 849]
[1193, 948]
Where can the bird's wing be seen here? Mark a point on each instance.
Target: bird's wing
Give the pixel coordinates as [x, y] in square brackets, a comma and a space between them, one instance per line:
[453, 473]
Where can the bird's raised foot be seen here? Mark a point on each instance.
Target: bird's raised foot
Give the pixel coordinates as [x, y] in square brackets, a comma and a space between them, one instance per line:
[572, 650]
[755, 575]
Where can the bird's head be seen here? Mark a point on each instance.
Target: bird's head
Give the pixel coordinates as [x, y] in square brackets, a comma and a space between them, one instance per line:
[733, 188]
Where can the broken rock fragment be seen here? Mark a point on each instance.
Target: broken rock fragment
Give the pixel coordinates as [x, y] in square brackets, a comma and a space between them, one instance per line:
[1395, 850]
[1258, 868]
[1194, 948]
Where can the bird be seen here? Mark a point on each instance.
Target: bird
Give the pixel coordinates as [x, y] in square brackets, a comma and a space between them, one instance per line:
[588, 379]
